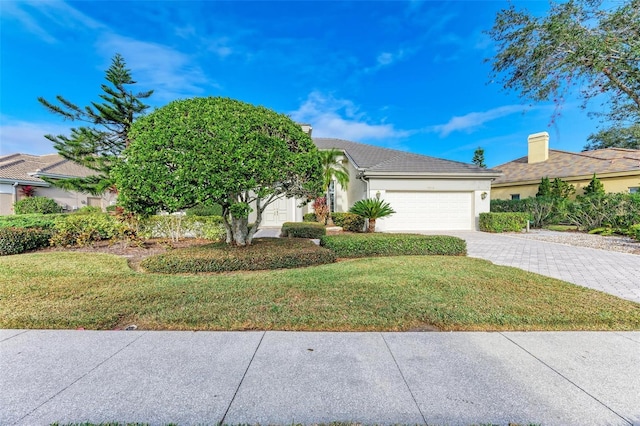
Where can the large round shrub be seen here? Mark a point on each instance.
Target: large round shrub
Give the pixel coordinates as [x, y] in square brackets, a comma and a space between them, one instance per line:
[42, 205]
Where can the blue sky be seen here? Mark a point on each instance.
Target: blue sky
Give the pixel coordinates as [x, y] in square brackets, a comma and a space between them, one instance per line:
[403, 75]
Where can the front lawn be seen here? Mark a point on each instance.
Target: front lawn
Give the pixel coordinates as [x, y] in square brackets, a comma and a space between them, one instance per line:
[100, 291]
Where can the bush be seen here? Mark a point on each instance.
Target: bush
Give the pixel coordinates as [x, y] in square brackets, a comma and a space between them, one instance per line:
[503, 222]
[111, 209]
[263, 253]
[348, 221]
[202, 210]
[508, 206]
[19, 240]
[42, 205]
[303, 230]
[82, 230]
[602, 211]
[634, 231]
[29, 221]
[88, 210]
[176, 227]
[364, 245]
[309, 217]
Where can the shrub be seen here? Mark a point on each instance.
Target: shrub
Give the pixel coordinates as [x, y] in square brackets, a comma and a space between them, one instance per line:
[19, 240]
[634, 231]
[364, 245]
[309, 217]
[203, 210]
[81, 230]
[372, 209]
[503, 222]
[42, 205]
[29, 221]
[111, 209]
[349, 221]
[88, 210]
[598, 211]
[263, 253]
[302, 230]
[176, 227]
[508, 206]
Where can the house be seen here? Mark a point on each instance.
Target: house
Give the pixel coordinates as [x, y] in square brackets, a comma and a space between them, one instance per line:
[618, 169]
[18, 172]
[427, 193]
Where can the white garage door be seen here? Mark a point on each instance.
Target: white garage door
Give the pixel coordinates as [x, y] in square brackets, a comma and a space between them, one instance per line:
[429, 211]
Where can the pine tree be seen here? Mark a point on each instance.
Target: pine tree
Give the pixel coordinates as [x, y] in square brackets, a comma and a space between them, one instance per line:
[99, 145]
[595, 187]
[478, 158]
[544, 189]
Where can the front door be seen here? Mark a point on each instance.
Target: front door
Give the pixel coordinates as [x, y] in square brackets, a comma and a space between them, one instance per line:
[276, 213]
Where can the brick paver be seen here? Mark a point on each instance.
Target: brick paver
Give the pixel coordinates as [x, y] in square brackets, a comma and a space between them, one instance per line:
[607, 271]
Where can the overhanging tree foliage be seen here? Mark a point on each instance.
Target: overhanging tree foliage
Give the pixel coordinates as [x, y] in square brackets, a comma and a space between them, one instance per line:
[589, 46]
[99, 145]
[217, 150]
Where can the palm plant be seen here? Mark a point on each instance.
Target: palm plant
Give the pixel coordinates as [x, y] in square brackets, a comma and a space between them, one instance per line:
[372, 209]
[332, 170]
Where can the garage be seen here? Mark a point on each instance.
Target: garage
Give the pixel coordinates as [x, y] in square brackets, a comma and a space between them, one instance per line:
[429, 211]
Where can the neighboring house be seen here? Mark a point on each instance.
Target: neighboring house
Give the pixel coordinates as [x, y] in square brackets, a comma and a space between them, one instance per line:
[18, 171]
[618, 169]
[427, 193]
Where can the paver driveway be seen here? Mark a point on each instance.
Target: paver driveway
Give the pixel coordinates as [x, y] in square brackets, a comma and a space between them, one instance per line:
[607, 271]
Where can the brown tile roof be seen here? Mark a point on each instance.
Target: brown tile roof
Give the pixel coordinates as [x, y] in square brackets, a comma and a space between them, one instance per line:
[375, 159]
[563, 164]
[22, 167]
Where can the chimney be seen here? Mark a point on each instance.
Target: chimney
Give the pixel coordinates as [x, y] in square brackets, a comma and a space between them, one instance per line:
[306, 128]
[538, 147]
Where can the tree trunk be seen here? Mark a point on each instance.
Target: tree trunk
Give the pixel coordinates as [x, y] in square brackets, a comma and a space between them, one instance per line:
[329, 218]
[372, 225]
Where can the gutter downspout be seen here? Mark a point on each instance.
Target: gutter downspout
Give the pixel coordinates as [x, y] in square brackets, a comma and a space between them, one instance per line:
[15, 195]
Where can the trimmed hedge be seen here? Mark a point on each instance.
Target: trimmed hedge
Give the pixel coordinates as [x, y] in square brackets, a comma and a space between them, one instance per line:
[365, 245]
[202, 210]
[302, 230]
[503, 222]
[35, 220]
[263, 253]
[42, 205]
[349, 221]
[19, 240]
[309, 217]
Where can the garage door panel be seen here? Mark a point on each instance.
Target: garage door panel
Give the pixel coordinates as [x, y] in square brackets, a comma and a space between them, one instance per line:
[429, 211]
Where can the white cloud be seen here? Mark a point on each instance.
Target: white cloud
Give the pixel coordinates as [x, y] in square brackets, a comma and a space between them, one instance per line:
[341, 118]
[28, 137]
[470, 122]
[46, 18]
[170, 73]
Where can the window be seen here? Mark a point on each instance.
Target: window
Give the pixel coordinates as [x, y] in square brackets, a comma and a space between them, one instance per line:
[634, 190]
[515, 196]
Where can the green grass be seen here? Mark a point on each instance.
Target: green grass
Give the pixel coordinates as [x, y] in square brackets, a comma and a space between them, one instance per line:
[61, 290]
[562, 228]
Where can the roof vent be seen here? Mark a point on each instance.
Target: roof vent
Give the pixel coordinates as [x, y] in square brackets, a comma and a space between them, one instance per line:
[538, 147]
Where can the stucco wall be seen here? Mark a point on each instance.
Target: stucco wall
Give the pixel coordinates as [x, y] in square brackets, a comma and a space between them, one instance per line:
[70, 200]
[610, 183]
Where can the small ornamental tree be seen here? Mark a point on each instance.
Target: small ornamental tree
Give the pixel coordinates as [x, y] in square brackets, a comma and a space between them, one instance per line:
[562, 189]
[372, 209]
[595, 187]
[544, 189]
[217, 150]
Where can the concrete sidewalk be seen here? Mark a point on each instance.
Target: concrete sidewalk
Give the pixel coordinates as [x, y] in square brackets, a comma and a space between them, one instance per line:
[557, 378]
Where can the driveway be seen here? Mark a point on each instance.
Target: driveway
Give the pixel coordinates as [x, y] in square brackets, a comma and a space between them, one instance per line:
[608, 271]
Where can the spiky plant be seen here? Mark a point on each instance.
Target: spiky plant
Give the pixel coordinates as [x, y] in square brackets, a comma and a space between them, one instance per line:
[372, 209]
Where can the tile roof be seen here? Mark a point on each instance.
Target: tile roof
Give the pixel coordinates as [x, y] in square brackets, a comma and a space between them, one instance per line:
[374, 159]
[563, 164]
[21, 167]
